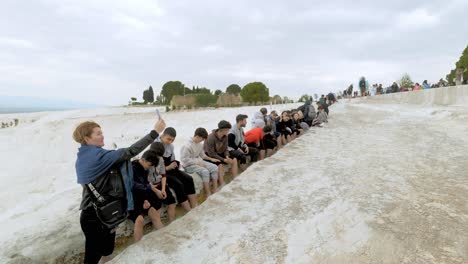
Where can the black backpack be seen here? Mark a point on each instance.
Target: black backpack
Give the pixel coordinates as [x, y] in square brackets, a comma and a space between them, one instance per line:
[310, 113]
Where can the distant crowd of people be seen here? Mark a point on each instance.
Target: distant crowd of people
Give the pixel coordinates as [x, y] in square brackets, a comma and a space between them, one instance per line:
[144, 185]
[365, 89]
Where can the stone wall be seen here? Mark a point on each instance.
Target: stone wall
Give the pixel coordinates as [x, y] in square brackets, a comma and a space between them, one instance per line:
[229, 100]
[179, 101]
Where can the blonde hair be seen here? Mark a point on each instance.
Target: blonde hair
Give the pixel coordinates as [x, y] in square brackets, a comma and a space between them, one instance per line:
[84, 129]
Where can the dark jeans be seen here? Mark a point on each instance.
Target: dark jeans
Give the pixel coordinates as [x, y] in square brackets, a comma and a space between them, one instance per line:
[181, 183]
[99, 240]
[253, 153]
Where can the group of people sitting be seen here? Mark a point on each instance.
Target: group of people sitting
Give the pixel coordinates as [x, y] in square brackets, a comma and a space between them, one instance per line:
[157, 171]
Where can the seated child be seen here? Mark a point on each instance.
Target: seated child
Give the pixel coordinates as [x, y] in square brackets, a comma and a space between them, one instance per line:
[145, 195]
[194, 160]
[216, 147]
[179, 181]
[157, 178]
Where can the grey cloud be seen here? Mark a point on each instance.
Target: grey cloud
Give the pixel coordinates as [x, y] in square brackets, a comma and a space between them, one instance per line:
[93, 49]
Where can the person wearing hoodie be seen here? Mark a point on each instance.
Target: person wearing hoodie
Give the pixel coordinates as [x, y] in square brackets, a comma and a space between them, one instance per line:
[236, 142]
[255, 138]
[426, 85]
[309, 112]
[259, 118]
[194, 160]
[417, 87]
[322, 117]
[94, 165]
[216, 147]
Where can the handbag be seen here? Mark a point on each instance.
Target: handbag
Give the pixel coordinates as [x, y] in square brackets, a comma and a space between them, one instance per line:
[109, 213]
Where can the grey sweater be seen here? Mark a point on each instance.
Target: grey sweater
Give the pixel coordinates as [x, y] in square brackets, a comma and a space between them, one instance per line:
[168, 149]
[192, 153]
[322, 117]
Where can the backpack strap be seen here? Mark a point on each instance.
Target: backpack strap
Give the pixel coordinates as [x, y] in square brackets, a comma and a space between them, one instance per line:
[96, 193]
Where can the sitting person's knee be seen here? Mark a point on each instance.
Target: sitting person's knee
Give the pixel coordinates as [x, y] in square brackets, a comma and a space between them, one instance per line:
[206, 177]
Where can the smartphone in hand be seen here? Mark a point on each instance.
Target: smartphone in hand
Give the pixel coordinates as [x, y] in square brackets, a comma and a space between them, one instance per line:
[158, 114]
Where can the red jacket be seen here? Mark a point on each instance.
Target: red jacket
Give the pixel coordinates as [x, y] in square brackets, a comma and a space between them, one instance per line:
[254, 135]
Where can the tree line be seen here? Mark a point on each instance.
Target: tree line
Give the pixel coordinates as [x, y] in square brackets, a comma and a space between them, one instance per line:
[254, 92]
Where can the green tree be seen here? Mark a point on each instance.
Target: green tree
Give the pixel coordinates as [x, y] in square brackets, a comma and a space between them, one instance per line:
[255, 92]
[150, 94]
[233, 89]
[202, 90]
[218, 92]
[304, 98]
[405, 81]
[451, 77]
[461, 63]
[145, 96]
[172, 88]
[204, 99]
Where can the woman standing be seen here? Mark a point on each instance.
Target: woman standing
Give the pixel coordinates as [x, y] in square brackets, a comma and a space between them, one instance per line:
[97, 165]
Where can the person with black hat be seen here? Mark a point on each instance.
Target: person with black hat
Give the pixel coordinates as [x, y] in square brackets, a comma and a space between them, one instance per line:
[216, 146]
[236, 142]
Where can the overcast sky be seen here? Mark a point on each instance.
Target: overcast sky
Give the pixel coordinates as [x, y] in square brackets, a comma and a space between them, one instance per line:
[107, 51]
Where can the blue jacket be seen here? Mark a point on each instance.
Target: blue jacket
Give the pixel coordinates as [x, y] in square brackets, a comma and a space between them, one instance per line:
[94, 162]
